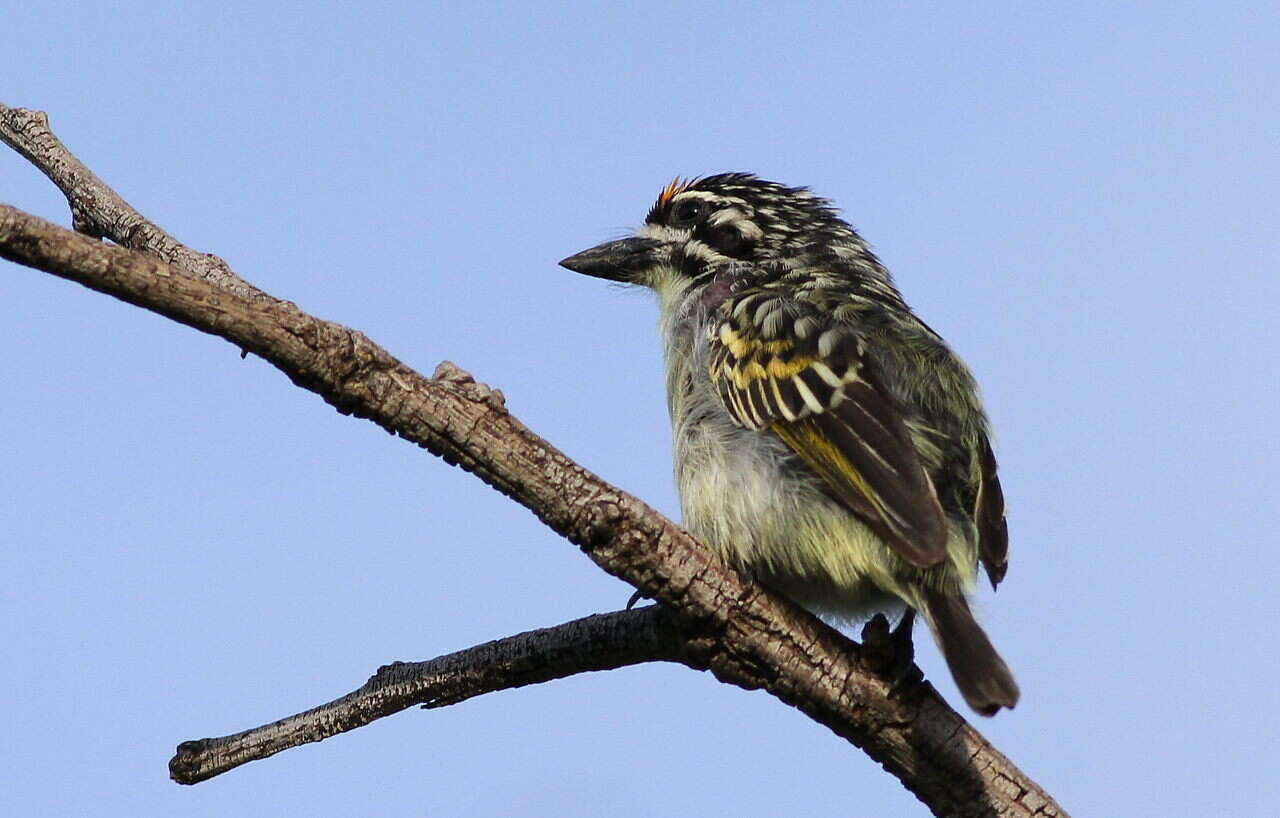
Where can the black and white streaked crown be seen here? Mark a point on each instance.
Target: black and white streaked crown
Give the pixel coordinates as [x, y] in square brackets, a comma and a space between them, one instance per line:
[788, 219]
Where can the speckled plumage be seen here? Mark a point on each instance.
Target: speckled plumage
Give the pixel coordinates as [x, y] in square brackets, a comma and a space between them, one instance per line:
[826, 439]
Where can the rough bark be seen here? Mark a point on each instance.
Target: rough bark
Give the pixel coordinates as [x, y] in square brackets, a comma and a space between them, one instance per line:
[718, 620]
[600, 642]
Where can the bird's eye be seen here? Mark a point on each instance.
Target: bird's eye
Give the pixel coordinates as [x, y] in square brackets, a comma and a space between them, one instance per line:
[686, 213]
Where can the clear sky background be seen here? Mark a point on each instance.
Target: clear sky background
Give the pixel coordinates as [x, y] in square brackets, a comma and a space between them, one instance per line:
[1081, 197]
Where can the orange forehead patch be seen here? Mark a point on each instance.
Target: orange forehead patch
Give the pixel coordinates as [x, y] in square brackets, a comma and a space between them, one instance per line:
[673, 187]
[668, 192]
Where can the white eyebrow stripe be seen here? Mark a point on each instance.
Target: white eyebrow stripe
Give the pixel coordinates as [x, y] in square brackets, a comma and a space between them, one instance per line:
[704, 195]
[726, 216]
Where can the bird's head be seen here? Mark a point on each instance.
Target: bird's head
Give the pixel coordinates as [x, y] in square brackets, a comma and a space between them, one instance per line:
[701, 226]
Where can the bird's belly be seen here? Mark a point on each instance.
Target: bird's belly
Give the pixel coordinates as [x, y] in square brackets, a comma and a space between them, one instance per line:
[747, 496]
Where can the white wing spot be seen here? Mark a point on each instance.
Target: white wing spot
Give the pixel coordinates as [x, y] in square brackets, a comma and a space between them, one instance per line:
[827, 375]
[805, 326]
[827, 342]
[809, 398]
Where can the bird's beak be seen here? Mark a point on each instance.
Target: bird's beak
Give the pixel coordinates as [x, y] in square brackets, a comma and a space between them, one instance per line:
[622, 260]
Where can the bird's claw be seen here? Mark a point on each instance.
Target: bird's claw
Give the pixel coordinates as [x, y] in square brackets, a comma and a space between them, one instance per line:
[890, 653]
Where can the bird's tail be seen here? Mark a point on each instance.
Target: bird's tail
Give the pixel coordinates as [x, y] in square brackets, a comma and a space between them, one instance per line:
[982, 676]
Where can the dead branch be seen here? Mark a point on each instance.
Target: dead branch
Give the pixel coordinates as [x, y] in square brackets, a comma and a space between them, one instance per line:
[601, 642]
[97, 210]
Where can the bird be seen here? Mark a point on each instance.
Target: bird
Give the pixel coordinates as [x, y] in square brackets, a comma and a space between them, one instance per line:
[827, 441]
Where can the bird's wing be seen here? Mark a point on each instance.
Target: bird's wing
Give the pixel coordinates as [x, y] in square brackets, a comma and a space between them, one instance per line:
[988, 512]
[785, 368]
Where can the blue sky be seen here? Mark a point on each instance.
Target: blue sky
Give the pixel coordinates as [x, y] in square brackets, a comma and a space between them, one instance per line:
[1080, 198]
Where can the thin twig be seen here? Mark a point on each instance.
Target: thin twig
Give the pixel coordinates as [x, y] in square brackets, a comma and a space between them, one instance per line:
[97, 210]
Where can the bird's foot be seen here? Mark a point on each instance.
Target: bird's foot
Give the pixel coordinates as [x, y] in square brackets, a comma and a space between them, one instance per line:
[891, 654]
[636, 597]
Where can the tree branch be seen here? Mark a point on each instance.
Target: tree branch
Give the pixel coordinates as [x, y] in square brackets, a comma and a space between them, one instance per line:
[743, 634]
[601, 642]
[97, 210]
